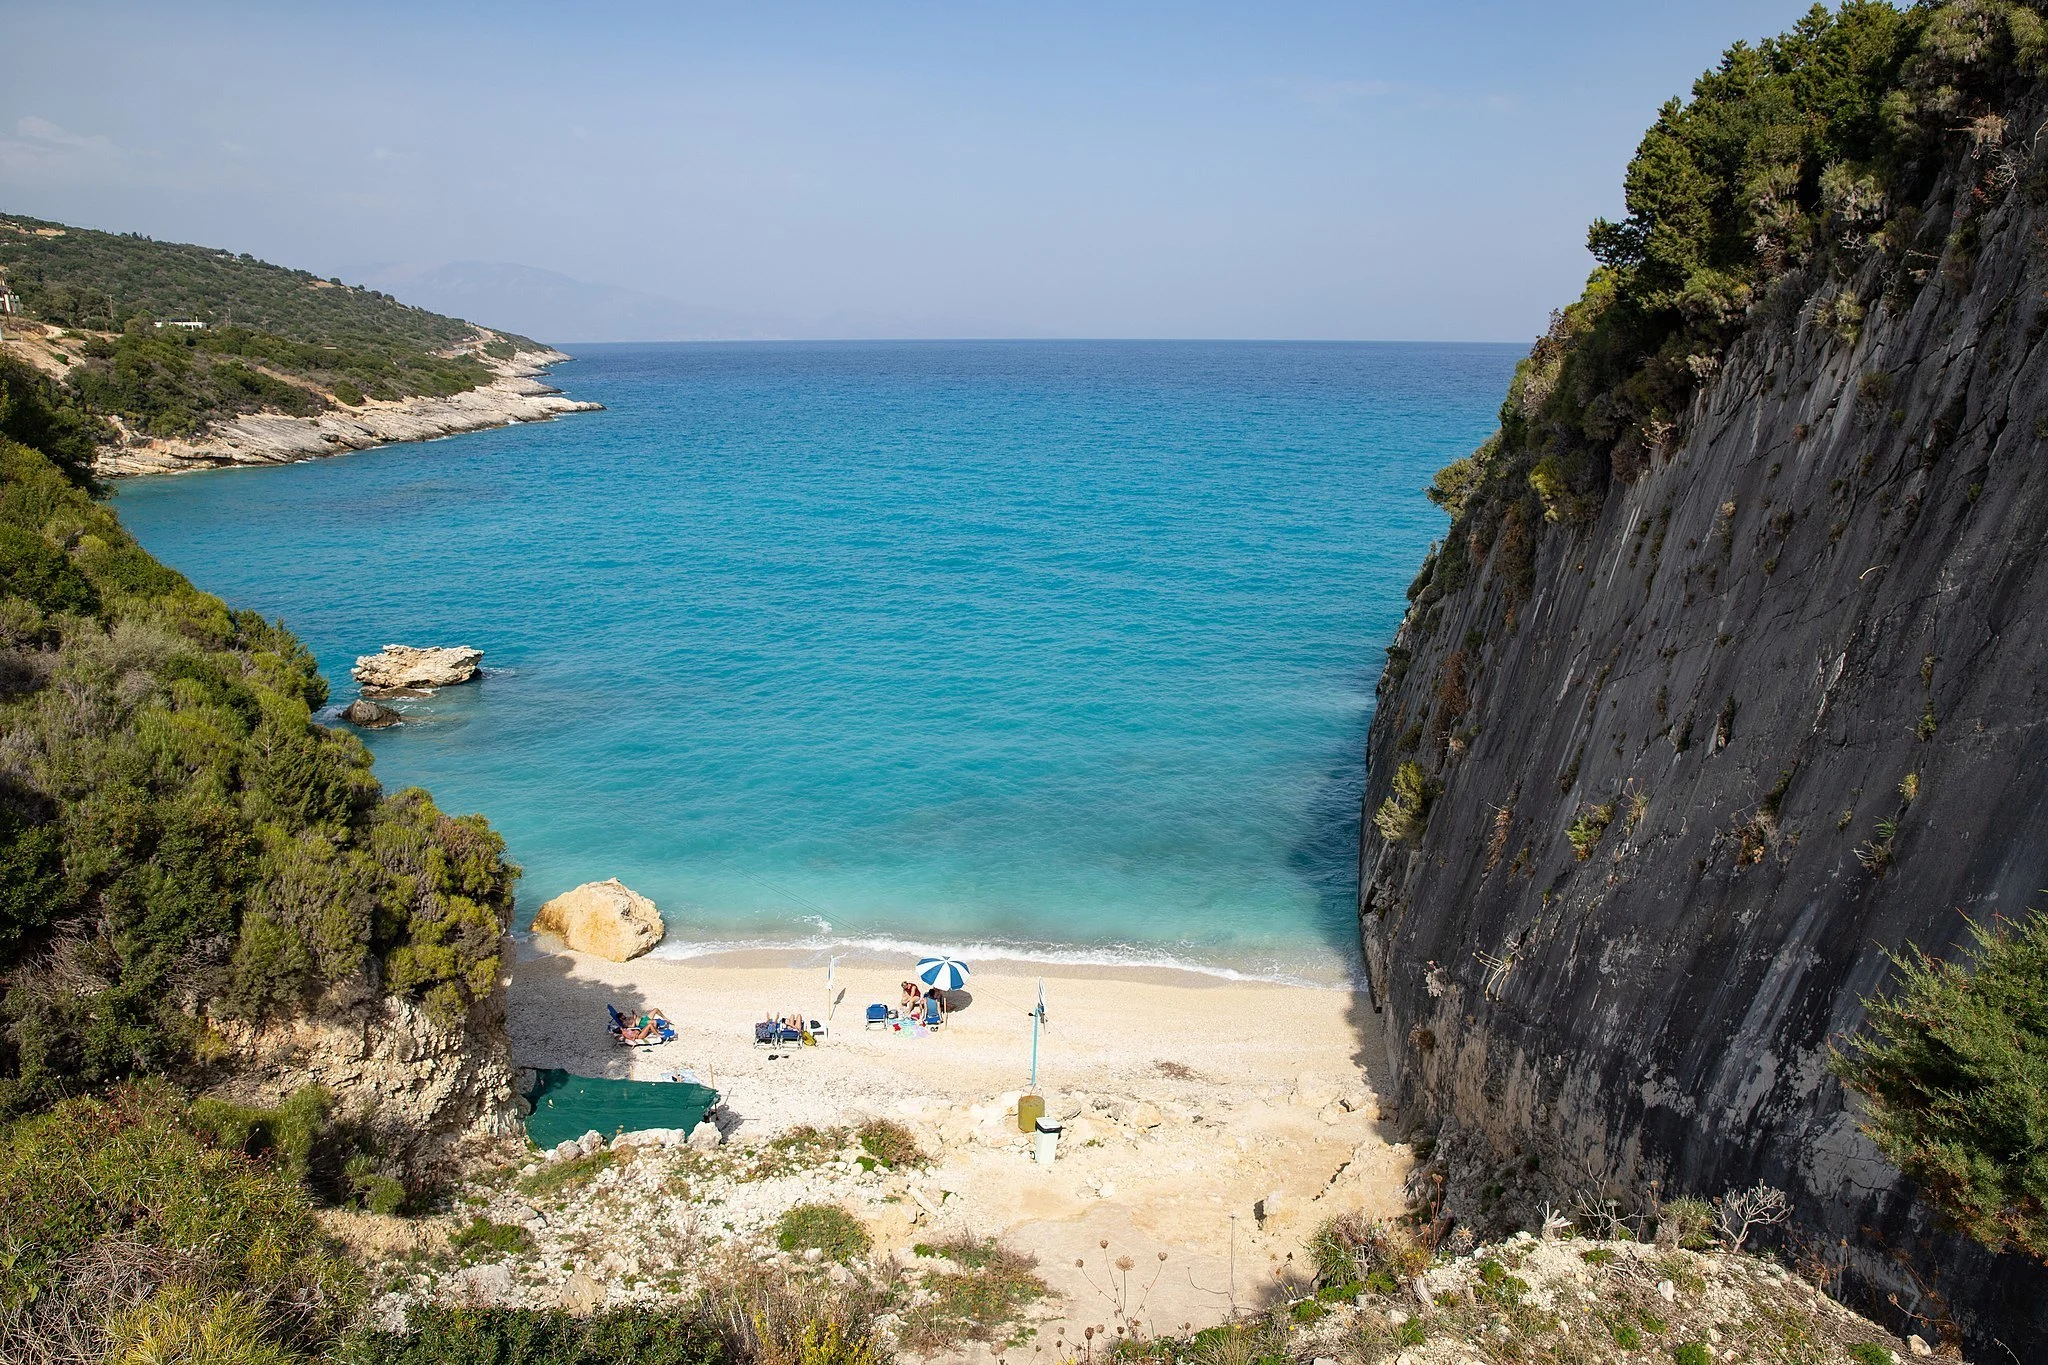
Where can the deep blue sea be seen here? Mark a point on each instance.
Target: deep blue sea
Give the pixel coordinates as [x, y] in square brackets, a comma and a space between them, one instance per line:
[1040, 647]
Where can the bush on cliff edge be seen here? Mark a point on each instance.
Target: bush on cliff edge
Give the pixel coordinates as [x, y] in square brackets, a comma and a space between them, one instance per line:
[1954, 1067]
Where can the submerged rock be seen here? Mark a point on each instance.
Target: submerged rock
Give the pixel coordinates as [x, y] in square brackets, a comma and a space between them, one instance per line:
[605, 919]
[369, 715]
[406, 667]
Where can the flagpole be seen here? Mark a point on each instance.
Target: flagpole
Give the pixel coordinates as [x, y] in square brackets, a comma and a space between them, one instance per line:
[1037, 1021]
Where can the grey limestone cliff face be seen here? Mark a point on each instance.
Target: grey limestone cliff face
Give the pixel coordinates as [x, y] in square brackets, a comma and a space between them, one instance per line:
[1801, 659]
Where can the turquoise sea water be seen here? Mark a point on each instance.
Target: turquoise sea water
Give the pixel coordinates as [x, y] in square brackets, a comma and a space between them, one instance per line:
[1061, 648]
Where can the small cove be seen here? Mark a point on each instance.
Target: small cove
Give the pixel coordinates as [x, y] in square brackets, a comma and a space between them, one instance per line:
[1049, 648]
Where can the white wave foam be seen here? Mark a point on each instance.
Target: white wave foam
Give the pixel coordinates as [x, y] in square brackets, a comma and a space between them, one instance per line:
[999, 950]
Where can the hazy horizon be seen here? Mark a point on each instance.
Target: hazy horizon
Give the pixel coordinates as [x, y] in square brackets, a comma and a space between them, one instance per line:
[1211, 172]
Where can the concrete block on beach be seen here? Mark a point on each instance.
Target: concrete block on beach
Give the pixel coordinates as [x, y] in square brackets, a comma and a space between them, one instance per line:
[605, 919]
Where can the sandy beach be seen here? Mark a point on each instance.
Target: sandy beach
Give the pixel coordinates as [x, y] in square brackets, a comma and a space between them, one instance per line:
[1217, 1121]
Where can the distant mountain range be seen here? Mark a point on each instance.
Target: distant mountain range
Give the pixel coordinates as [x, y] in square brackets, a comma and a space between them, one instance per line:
[563, 310]
[557, 307]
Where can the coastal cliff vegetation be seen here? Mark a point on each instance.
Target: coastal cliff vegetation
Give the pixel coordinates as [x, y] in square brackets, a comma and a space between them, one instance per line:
[179, 842]
[268, 339]
[185, 855]
[1705, 737]
[1795, 164]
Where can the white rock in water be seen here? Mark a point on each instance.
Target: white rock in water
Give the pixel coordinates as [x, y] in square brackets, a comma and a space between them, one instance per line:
[590, 1143]
[605, 919]
[405, 666]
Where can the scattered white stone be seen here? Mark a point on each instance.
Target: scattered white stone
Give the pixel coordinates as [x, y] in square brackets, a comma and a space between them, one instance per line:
[1918, 1347]
[1667, 1291]
[705, 1137]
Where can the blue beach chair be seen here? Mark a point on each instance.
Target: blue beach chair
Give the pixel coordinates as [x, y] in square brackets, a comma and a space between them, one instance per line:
[770, 1033]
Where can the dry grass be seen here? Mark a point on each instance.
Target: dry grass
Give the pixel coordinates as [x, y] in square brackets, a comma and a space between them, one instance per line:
[982, 1301]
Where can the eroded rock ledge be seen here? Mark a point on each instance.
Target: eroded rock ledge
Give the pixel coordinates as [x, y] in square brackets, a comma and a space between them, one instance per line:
[517, 395]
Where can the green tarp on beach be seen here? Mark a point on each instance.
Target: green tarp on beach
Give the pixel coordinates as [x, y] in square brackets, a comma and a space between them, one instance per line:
[567, 1107]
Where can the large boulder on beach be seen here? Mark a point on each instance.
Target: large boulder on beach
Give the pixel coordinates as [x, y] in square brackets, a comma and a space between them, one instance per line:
[400, 668]
[606, 919]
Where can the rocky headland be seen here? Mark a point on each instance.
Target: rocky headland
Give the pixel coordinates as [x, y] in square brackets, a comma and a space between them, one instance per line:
[518, 394]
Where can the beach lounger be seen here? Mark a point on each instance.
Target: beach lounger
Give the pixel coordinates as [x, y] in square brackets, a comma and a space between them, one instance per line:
[769, 1033]
[664, 1032]
[878, 1016]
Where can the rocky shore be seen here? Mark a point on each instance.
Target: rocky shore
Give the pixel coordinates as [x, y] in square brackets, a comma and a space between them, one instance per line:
[518, 394]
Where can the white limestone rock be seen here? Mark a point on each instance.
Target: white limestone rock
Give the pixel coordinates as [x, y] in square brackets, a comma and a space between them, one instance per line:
[410, 668]
[606, 919]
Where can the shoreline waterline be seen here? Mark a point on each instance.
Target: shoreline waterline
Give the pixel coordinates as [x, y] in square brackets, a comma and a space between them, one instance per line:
[1069, 961]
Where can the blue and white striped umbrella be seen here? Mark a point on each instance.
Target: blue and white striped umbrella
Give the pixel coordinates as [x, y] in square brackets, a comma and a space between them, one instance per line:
[942, 973]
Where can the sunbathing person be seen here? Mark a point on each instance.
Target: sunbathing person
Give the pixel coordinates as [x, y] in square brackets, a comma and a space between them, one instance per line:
[646, 1026]
[913, 998]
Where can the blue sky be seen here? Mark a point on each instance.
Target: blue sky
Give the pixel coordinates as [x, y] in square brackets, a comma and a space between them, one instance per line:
[1368, 170]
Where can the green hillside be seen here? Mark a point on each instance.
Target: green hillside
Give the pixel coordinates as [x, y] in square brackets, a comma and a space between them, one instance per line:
[274, 340]
[179, 842]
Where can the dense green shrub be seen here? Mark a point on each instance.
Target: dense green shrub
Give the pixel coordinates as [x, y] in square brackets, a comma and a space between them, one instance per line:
[823, 1227]
[1954, 1067]
[178, 840]
[37, 413]
[113, 1197]
[890, 1143]
[500, 1336]
[1404, 815]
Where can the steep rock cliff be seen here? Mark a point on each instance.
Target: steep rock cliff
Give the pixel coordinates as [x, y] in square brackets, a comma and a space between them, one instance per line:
[1773, 712]
[435, 1094]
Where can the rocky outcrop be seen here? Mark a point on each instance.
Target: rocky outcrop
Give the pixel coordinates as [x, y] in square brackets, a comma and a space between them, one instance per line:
[369, 715]
[434, 1093]
[408, 668]
[517, 395]
[1773, 714]
[605, 919]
